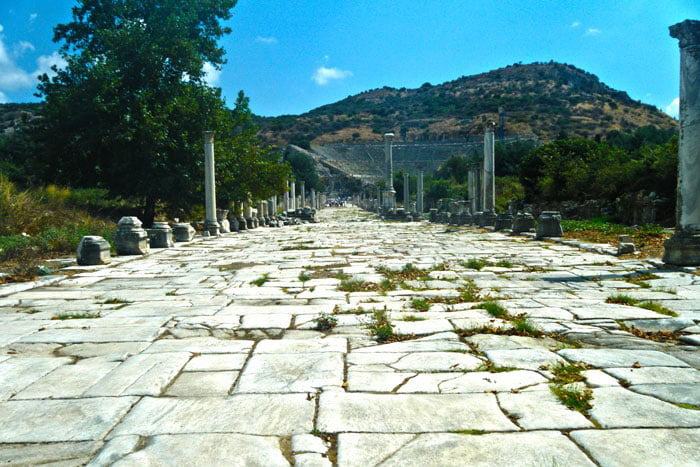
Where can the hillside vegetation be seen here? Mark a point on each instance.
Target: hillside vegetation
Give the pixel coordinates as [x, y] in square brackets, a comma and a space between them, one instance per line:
[545, 100]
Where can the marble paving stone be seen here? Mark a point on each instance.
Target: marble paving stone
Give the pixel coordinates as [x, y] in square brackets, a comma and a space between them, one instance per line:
[437, 361]
[652, 375]
[620, 408]
[95, 334]
[376, 381]
[526, 359]
[610, 358]
[676, 393]
[69, 381]
[201, 345]
[290, 346]
[417, 346]
[365, 449]
[217, 362]
[100, 350]
[409, 413]
[76, 453]
[266, 320]
[274, 415]
[494, 342]
[18, 373]
[274, 373]
[208, 449]
[641, 447]
[141, 375]
[541, 410]
[472, 382]
[203, 384]
[44, 421]
[448, 449]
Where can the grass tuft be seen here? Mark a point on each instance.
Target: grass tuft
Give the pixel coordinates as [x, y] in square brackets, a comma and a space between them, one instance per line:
[574, 397]
[325, 321]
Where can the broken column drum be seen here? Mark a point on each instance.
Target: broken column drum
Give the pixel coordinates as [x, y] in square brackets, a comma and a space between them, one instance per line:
[549, 225]
[211, 223]
[523, 222]
[160, 235]
[683, 248]
[183, 232]
[504, 221]
[93, 250]
[130, 238]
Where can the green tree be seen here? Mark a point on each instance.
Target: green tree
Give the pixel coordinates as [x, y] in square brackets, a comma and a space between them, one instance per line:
[304, 169]
[128, 111]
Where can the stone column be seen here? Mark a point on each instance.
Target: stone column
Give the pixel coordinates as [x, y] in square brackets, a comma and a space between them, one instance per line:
[302, 188]
[313, 199]
[488, 179]
[684, 247]
[419, 194]
[471, 183]
[210, 223]
[286, 199]
[406, 191]
[389, 171]
[293, 195]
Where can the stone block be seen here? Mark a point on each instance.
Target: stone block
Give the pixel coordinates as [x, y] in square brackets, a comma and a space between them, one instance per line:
[130, 238]
[488, 218]
[504, 222]
[183, 232]
[433, 215]
[93, 250]
[523, 222]
[683, 249]
[160, 235]
[549, 225]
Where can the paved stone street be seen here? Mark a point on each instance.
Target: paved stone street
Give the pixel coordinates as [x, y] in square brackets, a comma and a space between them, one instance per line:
[209, 354]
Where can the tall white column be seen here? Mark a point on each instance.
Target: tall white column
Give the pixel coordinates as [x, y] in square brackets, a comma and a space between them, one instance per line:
[293, 195]
[389, 161]
[302, 188]
[488, 173]
[406, 191]
[419, 195]
[286, 199]
[471, 183]
[313, 199]
[211, 224]
[684, 247]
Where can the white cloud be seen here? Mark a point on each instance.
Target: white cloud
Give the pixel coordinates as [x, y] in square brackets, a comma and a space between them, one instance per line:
[3, 98]
[324, 75]
[211, 74]
[2, 28]
[674, 107]
[33, 17]
[266, 40]
[45, 62]
[592, 32]
[23, 46]
[576, 24]
[14, 77]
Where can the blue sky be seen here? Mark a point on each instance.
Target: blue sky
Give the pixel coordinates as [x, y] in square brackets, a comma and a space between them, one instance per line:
[290, 56]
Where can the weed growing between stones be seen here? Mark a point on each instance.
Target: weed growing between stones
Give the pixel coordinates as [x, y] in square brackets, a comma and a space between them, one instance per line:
[469, 432]
[412, 318]
[620, 299]
[114, 301]
[231, 266]
[303, 277]
[325, 322]
[648, 305]
[687, 406]
[638, 282]
[381, 326]
[420, 304]
[524, 326]
[261, 280]
[656, 336]
[493, 308]
[348, 285]
[566, 373]
[473, 263]
[491, 368]
[64, 316]
[573, 396]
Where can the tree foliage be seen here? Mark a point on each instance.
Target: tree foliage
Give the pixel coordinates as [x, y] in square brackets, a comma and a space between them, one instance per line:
[128, 111]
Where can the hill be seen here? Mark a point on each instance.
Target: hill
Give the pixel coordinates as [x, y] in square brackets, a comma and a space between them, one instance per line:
[12, 116]
[542, 100]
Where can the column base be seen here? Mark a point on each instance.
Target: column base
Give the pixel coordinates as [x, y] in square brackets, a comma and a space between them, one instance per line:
[212, 227]
[683, 249]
